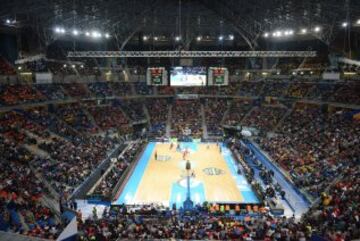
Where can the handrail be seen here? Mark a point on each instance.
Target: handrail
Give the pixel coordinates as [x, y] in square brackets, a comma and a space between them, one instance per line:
[83, 188]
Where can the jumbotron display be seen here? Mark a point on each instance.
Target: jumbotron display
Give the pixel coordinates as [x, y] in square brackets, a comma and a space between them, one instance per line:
[156, 76]
[188, 76]
[218, 76]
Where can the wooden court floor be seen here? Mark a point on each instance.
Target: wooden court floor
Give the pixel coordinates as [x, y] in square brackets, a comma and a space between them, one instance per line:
[159, 176]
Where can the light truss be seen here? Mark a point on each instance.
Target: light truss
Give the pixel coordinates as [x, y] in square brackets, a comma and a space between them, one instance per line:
[190, 54]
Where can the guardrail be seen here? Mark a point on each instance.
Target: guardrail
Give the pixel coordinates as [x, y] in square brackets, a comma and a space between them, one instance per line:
[83, 189]
[127, 173]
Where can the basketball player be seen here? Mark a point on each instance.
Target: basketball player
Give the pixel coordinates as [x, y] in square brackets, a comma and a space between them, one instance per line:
[155, 155]
[171, 145]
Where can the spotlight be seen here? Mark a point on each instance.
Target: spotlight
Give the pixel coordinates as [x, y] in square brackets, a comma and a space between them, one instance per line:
[198, 38]
[278, 34]
[64, 65]
[87, 34]
[73, 66]
[278, 73]
[304, 31]
[75, 32]
[8, 21]
[145, 38]
[266, 35]
[291, 32]
[317, 29]
[221, 38]
[156, 38]
[95, 34]
[344, 24]
[60, 30]
[311, 72]
[293, 73]
[286, 33]
[107, 35]
[82, 66]
[177, 38]
[19, 68]
[358, 22]
[231, 37]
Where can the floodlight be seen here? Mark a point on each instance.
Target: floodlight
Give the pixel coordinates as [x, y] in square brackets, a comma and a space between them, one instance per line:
[317, 29]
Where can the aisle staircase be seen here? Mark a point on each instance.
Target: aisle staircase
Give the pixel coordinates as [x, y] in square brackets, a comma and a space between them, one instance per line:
[203, 122]
[168, 121]
[281, 121]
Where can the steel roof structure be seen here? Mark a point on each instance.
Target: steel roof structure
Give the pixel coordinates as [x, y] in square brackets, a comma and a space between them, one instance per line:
[123, 19]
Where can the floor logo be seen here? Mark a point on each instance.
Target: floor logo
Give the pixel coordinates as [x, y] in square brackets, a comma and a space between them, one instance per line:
[213, 171]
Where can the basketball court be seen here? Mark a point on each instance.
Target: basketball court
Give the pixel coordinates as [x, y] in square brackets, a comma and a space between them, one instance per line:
[163, 180]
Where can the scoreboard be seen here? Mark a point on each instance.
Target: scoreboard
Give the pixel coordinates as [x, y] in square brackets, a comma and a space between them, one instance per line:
[156, 76]
[218, 76]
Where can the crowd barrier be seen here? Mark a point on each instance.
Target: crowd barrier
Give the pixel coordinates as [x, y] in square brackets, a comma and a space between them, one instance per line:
[83, 189]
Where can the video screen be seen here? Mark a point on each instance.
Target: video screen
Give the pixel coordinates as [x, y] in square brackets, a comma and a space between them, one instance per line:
[188, 76]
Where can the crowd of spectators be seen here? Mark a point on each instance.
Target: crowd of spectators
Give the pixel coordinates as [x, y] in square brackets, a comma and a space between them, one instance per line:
[77, 90]
[108, 117]
[21, 193]
[274, 88]
[75, 116]
[321, 91]
[315, 146]
[108, 182]
[19, 94]
[158, 112]
[134, 109]
[101, 89]
[71, 162]
[250, 88]
[347, 93]
[141, 88]
[237, 111]
[186, 118]
[52, 91]
[298, 90]
[342, 92]
[6, 68]
[214, 113]
[122, 88]
[264, 117]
